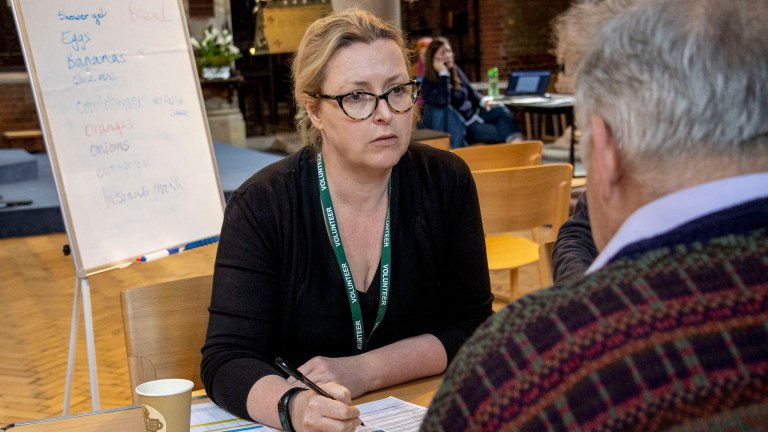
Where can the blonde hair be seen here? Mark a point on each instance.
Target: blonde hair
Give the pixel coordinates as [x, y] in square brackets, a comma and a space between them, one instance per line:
[321, 40]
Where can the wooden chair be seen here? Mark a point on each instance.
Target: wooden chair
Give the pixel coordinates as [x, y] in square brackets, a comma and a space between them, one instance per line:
[433, 138]
[518, 199]
[545, 259]
[165, 327]
[483, 157]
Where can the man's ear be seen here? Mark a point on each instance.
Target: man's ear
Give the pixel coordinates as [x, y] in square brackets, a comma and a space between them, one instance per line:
[605, 162]
[312, 113]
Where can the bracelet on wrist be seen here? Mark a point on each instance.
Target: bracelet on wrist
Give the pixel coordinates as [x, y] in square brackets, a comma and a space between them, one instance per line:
[283, 411]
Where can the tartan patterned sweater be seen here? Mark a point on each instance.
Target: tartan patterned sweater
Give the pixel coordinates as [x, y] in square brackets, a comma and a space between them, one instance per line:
[671, 335]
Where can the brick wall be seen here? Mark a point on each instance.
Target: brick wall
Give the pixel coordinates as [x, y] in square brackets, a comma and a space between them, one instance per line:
[453, 19]
[516, 34]
[17, 105]
[513, 35]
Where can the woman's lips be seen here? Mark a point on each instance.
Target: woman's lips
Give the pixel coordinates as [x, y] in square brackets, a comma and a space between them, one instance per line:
[385, 140]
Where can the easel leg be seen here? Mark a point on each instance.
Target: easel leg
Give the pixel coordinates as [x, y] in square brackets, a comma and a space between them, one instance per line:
[81, 287]
[72, 345]
[89, 340]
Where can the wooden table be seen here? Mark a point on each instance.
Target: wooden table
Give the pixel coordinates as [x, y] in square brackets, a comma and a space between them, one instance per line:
[129, 419]
[555, 105]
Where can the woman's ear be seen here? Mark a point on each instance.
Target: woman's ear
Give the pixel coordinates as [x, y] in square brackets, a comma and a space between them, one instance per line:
[312, 112]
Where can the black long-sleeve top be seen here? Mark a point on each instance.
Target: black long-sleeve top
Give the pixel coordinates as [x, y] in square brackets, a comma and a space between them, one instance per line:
[574, 249]
[465, 99]
[278, 290]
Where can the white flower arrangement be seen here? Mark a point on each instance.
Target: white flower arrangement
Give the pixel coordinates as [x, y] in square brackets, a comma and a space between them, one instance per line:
[216, 48]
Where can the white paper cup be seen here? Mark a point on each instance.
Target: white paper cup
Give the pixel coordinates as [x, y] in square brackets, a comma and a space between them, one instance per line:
[166, 404]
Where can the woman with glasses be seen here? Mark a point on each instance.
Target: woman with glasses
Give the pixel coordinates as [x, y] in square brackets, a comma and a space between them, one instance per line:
[445, 84]
[360, 258]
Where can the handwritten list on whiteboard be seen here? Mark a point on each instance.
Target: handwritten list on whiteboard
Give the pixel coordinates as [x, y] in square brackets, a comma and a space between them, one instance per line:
[119, 99]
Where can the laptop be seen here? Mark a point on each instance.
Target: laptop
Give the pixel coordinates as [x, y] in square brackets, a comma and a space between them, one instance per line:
[528, 86]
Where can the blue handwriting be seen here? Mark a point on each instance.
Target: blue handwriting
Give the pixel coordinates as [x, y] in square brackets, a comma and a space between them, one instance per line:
[78, 41]
[167, 99]
[96, 16]
[108, 103]
[168, 187]
[121, 167]
[94, 60]
[125, 196]
[87, 77]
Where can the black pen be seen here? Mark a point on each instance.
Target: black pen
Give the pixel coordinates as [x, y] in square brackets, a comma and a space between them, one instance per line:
[292, 371]
[9, 204]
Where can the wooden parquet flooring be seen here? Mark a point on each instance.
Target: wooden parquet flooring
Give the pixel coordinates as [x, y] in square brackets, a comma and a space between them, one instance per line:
[37, 285]
[36, 290]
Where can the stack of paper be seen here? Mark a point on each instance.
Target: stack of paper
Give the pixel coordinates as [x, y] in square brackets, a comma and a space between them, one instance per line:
[386, 415]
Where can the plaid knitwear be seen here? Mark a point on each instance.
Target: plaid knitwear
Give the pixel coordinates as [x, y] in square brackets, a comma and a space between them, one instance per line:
[673, 339]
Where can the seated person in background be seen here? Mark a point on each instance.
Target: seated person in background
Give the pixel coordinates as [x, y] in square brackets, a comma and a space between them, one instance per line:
[445, 119]
[446, 85]
[360, 258]
[668, 329]
[440, 118]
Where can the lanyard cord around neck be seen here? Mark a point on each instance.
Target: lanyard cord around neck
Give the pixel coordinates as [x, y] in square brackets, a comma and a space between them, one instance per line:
[341, 257]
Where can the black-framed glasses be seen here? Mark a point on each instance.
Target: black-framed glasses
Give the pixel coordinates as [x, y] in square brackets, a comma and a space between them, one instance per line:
[360, 105]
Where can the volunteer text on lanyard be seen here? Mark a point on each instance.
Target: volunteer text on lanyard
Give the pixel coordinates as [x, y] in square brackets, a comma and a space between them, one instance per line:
[341, 257]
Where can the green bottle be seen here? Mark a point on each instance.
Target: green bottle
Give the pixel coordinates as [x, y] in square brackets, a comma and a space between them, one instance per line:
[493, 82]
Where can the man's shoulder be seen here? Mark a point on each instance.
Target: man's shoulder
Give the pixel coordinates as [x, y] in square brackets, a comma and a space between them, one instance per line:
[735, 220]
[715, 265]
[680, 307]
[691, 262]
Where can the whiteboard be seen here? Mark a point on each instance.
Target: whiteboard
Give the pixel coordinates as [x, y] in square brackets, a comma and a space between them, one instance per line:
[121, 110]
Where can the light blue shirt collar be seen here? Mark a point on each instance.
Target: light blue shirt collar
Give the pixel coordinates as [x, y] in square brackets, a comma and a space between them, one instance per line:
[681, 207]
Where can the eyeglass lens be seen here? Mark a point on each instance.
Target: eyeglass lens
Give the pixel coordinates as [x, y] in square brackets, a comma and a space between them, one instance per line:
[361, 105]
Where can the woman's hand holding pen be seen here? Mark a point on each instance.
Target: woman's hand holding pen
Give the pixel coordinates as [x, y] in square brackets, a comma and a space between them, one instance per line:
[313, 412]
[331, 412]
[346, 371]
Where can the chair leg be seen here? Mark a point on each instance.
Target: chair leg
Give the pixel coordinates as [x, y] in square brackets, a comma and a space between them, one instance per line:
[508, 293]
[514, 284]
[503, 284]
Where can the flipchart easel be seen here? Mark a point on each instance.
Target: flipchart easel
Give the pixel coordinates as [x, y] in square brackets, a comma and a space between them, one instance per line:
[120, 107]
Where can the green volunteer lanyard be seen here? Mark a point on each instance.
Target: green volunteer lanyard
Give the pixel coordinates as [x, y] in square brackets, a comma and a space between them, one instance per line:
[341, 257]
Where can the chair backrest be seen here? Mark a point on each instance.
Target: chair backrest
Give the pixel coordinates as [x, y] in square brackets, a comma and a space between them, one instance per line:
[434, 138]
[165, 327]
[483, 157]
[516, 199]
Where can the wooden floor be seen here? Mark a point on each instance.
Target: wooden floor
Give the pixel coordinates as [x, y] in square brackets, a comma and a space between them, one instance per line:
[36, 290]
